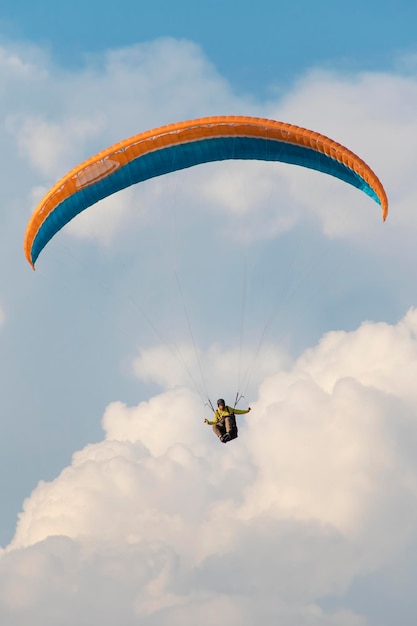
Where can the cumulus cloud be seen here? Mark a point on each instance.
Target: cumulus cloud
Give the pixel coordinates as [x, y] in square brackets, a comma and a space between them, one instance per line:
[174, 523]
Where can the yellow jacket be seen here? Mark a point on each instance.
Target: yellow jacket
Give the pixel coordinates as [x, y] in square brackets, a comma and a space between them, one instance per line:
[228, 410]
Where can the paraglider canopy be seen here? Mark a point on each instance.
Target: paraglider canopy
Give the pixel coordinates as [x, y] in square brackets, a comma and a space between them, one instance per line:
[185, 144]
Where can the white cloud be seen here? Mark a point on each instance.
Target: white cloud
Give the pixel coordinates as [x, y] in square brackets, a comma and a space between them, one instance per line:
[177, 523]
[22, 64]
[218, 368]
[50, 146]
[252, 200]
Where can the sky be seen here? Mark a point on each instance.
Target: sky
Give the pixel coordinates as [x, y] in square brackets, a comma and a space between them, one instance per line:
[118, 504]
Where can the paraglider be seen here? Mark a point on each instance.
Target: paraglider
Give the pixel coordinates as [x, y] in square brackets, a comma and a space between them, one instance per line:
[224, 421]
[185, 144]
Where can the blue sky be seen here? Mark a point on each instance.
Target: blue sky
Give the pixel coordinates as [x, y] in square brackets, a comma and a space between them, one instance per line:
[118, 504]
[258, 47]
